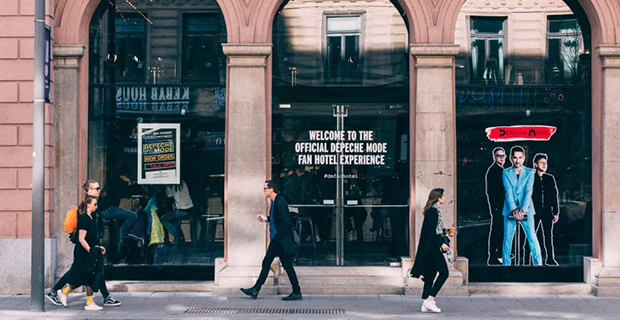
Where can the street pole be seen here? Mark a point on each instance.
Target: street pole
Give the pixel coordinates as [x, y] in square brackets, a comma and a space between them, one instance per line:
[37, 274]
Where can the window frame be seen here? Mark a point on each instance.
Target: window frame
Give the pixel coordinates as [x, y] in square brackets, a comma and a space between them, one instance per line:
[339, 80]
[577, 34]
[214, 78]
[487, 38]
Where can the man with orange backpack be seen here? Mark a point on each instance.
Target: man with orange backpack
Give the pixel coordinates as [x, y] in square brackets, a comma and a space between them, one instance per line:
[91, 188]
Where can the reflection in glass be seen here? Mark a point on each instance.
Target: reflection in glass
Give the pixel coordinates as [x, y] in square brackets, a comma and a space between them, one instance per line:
[122, 95]
[534, 81]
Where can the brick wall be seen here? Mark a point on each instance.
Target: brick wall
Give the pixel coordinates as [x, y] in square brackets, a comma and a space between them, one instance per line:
[16, 112]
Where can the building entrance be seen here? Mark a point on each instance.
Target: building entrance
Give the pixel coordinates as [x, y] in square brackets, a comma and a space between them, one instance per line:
[345, 172]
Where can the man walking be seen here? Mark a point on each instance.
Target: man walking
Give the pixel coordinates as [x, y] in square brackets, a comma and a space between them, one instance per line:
[519, 184]
[282, 242]
[494, 189]
[546, 204]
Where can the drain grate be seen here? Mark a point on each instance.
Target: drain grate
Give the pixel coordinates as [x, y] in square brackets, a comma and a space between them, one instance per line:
[264, 311]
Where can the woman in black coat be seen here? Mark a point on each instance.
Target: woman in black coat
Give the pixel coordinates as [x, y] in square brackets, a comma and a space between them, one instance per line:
[429, 259]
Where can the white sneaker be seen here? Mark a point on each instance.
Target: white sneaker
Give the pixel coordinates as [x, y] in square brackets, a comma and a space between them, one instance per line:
[93, 307]
[62, 297]
[430, 306]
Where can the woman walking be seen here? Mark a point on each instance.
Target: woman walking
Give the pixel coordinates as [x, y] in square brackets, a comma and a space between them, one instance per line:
[87, 256]
[429, 259]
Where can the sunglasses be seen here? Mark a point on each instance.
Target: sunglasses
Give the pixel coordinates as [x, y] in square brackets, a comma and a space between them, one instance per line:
[98, 188]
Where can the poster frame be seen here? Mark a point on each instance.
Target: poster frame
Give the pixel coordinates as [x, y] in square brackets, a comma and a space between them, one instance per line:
[151, 127]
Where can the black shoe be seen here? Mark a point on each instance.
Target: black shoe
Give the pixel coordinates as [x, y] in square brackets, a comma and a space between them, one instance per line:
[53, 298]
[252, 292]
[293, 297]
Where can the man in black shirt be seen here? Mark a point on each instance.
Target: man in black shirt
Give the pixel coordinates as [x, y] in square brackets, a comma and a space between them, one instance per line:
[546, 204]
[494, 188]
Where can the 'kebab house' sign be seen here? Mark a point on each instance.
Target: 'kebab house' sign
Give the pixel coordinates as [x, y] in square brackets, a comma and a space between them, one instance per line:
[159, 153]
[152, 100]
[520, 133]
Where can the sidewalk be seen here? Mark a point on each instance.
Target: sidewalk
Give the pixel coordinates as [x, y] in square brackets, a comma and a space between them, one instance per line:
[173, 305]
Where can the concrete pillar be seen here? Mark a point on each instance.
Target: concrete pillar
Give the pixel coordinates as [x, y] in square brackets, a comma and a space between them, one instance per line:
[66, 69]
[607, 271]
[435, 134]
[247, 143]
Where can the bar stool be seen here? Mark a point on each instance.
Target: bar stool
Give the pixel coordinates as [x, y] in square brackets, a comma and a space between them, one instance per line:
[299, 222]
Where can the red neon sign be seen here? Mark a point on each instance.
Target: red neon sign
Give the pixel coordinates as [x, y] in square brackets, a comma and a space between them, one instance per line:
[520, 133]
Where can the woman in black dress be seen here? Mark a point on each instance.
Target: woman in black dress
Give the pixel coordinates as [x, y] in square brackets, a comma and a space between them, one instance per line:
[429, 259]
[83, 272]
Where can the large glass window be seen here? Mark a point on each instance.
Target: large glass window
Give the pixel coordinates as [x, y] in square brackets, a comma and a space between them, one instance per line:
[151, 224]
[340, 123]
[524, 142]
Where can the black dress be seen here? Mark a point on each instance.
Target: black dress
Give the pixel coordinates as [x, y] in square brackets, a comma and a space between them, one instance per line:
[82, 269]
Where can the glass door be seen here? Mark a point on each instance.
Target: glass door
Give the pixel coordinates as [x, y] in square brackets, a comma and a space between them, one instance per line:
[345, 172]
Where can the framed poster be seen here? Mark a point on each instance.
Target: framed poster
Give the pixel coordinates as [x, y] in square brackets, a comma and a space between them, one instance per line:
[159, 153]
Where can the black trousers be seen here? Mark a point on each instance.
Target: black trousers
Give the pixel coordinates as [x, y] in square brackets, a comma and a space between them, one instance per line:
[544, 230]
[65, 279]
[496, 238]
[436, 264]
[275, 249]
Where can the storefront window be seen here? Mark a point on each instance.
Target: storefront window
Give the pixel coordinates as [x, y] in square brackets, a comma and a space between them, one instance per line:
[156, 137]
[524, 142]
[340, 123]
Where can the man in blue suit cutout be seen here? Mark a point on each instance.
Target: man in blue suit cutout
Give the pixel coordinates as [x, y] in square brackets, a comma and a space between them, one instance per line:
[518, 206]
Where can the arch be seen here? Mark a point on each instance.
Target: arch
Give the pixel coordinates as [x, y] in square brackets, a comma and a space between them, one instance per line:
[603, 15]
[418, 16]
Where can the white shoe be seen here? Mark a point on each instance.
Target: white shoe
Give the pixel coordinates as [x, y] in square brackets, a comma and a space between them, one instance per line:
[62, 297]
[93, 307]
[430, 306]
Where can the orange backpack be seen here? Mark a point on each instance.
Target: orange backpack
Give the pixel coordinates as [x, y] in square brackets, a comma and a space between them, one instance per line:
[71, 220]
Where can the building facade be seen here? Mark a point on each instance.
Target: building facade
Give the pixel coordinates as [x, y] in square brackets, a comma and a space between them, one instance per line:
[357, 108]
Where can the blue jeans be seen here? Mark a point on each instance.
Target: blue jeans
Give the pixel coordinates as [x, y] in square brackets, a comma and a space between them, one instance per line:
[173, 216]
[121, 214]
[530, 233]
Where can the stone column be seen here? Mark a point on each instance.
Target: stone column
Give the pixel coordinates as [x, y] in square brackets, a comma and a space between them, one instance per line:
[606, 272]
[246, 155]
[435, 142]
[66, 70]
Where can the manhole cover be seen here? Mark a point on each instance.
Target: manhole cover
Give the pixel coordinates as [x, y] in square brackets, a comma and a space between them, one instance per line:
[264, 310]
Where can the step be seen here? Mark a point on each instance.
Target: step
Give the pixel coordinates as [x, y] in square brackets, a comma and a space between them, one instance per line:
[347, 271]
[159, 286]
[529, 288]
[343, 280]
[461, 291]
[348, 290]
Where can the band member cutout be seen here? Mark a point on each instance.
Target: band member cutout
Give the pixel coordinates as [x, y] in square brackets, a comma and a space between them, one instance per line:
[547, 205]
[494, 189]
[518, 205]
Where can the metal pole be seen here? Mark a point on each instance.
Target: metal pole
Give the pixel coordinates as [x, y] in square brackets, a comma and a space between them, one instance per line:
[37, 275]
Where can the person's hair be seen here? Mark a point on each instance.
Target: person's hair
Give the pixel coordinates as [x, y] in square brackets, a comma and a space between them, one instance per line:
[516, 149]
[539, 156]
[87, 200]
[497, 149]
[272, 185]
[87, 184]
[433, 197]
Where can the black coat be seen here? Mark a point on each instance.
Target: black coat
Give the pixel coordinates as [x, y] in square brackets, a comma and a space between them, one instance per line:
[545, 195]
[495, 189]
[284, 224]
[429, 240]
